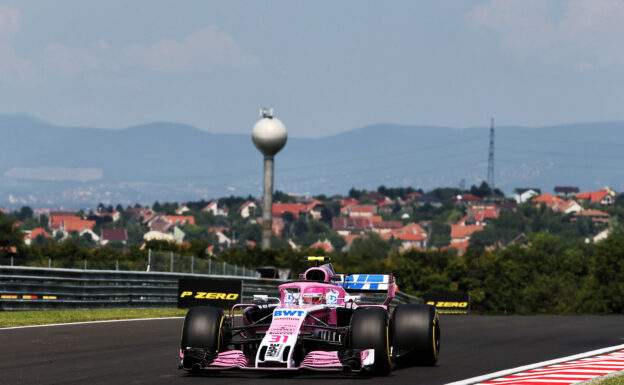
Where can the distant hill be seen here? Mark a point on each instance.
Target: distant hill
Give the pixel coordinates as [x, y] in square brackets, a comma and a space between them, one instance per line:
[42, 164]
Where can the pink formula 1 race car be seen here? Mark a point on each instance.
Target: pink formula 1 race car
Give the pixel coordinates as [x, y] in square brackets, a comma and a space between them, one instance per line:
[318, 324]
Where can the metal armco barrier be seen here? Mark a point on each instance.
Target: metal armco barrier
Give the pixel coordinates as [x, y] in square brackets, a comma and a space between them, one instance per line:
[31, 288]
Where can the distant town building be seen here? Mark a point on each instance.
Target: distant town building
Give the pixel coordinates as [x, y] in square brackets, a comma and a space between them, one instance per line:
[566, 192]
[596, 216]
[32, 235]
[248, 209]
[216, 209]
[108, 235]
[346, 226]
[603, 197]
[427, 199]
[522, 195]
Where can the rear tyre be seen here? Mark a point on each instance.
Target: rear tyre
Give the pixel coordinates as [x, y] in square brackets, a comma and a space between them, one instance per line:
[201, 335]
[369, 329]
[416, 334]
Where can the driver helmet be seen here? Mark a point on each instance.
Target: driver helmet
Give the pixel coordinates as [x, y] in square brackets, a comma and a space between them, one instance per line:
[313, 296]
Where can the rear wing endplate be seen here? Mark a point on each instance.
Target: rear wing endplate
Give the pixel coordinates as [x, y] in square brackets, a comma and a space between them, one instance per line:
[368, 283]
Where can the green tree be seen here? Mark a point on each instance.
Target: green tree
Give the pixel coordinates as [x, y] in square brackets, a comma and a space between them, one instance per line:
[371, 246]
[10, 235]
[440, 234]
[25, 213]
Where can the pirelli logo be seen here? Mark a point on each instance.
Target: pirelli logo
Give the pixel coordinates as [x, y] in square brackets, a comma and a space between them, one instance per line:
[204, 295]
[449, 303]
[209, 292]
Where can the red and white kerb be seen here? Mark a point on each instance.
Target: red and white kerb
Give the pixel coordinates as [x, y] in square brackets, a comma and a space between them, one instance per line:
[566, 372]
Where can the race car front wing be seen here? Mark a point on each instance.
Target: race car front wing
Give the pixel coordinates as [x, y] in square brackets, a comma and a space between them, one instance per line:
[319, 360]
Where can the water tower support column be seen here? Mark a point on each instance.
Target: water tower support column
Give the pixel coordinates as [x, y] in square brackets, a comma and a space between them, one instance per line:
[267, 202]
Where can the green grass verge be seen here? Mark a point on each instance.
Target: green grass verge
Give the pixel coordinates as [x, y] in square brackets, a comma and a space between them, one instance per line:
[43, 317]
[615, 380]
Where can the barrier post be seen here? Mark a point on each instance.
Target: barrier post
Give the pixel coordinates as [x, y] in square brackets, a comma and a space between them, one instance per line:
[49, 262]
[171, 264]
[11, 261]
[210, 266]
[223, 263]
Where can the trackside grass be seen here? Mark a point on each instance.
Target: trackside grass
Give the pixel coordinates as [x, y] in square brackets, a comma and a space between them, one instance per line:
[44, 317]
[614, 380]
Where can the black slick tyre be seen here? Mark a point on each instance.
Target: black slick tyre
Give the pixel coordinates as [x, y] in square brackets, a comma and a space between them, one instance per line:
[416, 334]
[202, 333]
[369, 329]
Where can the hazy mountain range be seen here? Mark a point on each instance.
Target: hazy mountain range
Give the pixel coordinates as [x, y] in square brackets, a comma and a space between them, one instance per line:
[46, 165]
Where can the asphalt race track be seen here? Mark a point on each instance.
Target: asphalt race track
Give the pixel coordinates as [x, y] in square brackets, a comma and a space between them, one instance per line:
[146, 352]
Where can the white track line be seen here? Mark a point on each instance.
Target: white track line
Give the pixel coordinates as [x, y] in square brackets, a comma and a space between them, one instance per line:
[507, 372]
[88, 322]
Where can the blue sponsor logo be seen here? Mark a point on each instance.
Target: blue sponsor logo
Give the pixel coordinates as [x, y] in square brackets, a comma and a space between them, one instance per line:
[332, 297]
[288, 313]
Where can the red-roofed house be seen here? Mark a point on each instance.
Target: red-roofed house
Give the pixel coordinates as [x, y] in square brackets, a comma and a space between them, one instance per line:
[383, 227]
[568, 207]
[468, 199]
[349, 202]
[180, 220]
[604, 197]
[411, 232]
[411, 241]
[160, 224]
[414, 228]
[108, 235]
[294, 208]
[325, 245]
[385, 207]
[548, 199]
[411, 196]
[309, 203]
[114, 216]
[55, 221]
[70, 225]
[480, 215]
[359, 210]
[31, 236]
[596, 216]
[346, 226]
[461, 233]
[378, 197]
[557, 204]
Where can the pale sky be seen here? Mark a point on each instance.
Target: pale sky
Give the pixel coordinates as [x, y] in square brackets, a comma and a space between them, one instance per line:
[326, 66]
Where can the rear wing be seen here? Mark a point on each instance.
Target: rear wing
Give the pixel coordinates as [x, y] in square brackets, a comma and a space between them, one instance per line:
[376, 283]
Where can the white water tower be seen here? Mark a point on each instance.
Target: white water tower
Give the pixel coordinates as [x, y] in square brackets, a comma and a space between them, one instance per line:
[269, 135]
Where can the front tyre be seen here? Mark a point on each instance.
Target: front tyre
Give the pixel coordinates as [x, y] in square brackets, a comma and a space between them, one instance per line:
[416, 334]
[202, 335]
[369, 329]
